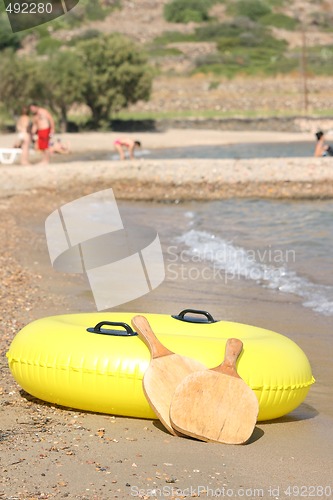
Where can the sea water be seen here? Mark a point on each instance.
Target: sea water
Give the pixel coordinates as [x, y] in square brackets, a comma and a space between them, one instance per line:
[294, 149]
[300, 149]
[284, 247]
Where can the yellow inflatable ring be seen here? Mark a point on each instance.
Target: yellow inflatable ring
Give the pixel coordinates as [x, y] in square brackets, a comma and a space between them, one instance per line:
[58, 360]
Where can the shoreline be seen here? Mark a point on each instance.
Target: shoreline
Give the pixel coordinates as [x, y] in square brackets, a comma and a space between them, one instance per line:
[171, 138]
[180, 180]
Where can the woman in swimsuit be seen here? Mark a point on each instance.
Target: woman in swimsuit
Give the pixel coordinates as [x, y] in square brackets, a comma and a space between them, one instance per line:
[23, 129]
[122, 144]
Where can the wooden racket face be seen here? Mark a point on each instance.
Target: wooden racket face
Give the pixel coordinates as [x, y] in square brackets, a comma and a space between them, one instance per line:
[212, 406]
[161, 379]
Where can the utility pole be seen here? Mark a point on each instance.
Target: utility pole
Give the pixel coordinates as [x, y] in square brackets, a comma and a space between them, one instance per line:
[300, 15]
[304, 68]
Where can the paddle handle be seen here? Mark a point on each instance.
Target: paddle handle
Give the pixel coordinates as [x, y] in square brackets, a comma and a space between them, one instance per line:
[232, 351]
[146, 334]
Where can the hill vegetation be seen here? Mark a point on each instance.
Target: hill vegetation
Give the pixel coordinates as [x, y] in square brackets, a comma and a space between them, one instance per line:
[158, 39]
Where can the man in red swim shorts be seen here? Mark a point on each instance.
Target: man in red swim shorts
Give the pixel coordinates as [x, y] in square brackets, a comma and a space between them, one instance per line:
[43, 126]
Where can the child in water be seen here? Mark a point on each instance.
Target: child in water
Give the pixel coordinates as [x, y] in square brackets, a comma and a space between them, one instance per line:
[122, 144]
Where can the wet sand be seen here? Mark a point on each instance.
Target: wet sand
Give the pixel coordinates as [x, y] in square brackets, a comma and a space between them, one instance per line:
[53, 452]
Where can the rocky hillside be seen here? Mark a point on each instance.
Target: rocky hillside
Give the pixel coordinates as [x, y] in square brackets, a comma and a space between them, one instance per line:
[192, 65]
[143, 20]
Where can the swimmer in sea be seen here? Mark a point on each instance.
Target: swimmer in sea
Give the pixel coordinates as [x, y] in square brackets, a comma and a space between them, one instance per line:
[122, 144]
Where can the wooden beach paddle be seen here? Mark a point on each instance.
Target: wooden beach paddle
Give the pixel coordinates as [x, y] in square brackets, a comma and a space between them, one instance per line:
[166, 370]
[216, 405]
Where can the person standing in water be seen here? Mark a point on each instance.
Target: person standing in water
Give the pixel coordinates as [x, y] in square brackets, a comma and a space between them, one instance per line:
[322, 149]
[43, 126]
[122, 144]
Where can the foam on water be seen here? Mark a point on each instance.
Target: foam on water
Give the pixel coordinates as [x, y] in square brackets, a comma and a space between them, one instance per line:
[239, 262]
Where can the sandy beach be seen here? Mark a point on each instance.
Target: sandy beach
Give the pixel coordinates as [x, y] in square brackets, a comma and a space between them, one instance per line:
[181, 179]
[53, 452]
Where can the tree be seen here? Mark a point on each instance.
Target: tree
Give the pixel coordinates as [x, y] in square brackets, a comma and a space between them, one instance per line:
[116, 75]
[106, 73]
[55, 82]
[62, 76]
[7, 37]
[18, 78]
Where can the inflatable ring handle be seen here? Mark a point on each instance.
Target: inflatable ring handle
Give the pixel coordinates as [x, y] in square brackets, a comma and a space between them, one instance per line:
[181, 316]
[118, 333]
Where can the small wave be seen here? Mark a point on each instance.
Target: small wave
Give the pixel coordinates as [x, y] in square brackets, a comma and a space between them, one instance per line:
[238, 262]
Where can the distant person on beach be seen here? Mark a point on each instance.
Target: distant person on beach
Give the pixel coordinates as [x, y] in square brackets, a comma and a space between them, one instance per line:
[43, 126]
[122, 144]
[322, 149]
[59, 147]
[23, 129]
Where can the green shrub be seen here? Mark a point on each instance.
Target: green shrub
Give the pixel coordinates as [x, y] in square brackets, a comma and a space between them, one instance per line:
[86, 10]
[217, 64]
[250, 52]
[276, 3]
[233, 36]
[172, 37]
[279, 21]
[47, 45]
[214, 85]
[85, 35]
[253, 9]
[164, 51]
[254, 61]
[319, 60]
[210, 32]
[213, 32]
[227, 43]
[185, 11]
[95, 12]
